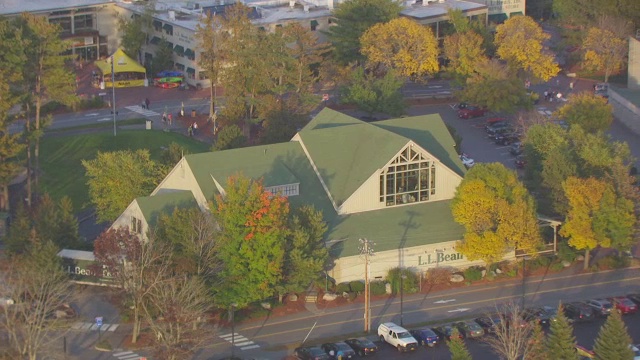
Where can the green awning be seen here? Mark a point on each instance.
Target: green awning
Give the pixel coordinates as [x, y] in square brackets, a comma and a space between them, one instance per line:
[179, 50]
[168, 27]
[157, 24]
[155, 40]
[314, 23]
[191, 70]
[498, 18]
[517, 13]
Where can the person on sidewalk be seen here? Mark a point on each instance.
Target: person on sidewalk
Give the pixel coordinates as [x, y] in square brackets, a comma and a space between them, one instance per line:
[195, 127]
[190, 131]
[170, 117]
[147, 102]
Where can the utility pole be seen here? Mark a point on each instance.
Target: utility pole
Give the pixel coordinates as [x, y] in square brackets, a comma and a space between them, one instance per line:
[366, 249]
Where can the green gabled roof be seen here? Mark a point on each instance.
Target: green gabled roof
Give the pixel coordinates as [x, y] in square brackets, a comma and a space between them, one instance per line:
[347, 151]
[431, 133]
[276, 164]
[394, 228]
[164, 203]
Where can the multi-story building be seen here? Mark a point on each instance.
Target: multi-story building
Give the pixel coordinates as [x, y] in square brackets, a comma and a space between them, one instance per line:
[501, 10]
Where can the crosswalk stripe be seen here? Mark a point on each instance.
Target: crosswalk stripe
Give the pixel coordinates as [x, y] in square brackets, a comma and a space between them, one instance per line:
[244, 343]
[250, 347]
[86, 326]
[123, 353]
[138, 109]
[113, 327]
[77, 326]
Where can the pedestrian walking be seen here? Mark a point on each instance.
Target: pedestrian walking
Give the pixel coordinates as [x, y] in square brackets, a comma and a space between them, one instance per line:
[170, 119]
[143, 105]
[164, 117]
[147, 102]
[546, 95]
[195, 127]
[571, 86]
[190, 130]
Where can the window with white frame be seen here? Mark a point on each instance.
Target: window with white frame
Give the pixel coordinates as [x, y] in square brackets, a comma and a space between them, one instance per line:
[411, 177]
[284, 190]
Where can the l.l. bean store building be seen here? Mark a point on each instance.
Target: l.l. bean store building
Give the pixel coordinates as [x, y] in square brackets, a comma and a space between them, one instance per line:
[390, 182]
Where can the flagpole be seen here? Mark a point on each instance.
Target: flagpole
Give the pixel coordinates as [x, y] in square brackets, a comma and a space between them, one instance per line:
[113, 91]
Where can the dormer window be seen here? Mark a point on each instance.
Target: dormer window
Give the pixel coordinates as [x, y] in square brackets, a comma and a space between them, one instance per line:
[136, 225]
[410, 178]
[284, 190]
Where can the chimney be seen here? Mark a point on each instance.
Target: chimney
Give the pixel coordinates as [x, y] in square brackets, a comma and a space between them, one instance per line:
[172, 15]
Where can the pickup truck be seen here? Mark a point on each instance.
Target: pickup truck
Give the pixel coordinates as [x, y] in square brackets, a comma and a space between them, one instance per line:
[397, 336]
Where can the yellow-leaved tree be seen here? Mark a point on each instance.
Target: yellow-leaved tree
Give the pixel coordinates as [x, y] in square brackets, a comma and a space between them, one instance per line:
[588, 111]
[464, 51]
[520, 42]
[401, 44]
[497, 212]
[604, 51]
[597, 216]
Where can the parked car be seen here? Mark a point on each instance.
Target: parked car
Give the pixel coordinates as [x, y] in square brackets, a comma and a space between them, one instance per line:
[425, 337]
[489, 323]
[552, 312]
[624, 305]
[311, 353]
[339, 350]
[516, 148]
[470, 329]
[498, 127]
[634, 297]
[520, 161]
[495, 120]
[601, 89]
[444, 332]
[636, 351]
[471, 111]
[397, 336]
[506, 138]
[578, 312]
[538, 315]
[601, 307]
[467, 161]
[584, 353]
[362, 346]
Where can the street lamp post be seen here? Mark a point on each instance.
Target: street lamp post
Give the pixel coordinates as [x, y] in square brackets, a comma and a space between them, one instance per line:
[524, 261]
[233, 329]
[402, 277]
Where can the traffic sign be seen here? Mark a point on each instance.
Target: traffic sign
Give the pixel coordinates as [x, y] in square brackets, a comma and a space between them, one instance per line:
[99, 321]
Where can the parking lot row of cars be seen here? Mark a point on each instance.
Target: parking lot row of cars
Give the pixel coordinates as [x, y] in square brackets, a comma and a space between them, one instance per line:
[405, 340]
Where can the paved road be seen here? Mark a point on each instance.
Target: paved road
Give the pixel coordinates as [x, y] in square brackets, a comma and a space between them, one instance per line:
[420, 309]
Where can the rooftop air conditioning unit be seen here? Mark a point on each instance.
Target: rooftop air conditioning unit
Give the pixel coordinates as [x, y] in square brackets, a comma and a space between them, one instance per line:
[172, 15]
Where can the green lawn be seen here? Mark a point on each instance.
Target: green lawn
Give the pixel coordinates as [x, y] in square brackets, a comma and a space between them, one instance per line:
[61, 156]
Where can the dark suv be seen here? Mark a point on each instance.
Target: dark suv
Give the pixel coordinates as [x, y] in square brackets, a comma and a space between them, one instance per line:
[578, 312]
[500, 127]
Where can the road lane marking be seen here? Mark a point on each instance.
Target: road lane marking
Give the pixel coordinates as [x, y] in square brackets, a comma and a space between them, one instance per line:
[492, 301]
[444, 301]
[92, 114]
[104, 119]
[240, 341]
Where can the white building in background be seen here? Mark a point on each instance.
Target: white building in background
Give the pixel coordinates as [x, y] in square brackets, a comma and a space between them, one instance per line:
[500, 10]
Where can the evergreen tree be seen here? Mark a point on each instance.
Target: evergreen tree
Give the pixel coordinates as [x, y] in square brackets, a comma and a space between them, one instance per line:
[67, 236]
[561, 342]
[613, 340]
[537, 348]
[45, 219]
[19, 232]
[457, 348]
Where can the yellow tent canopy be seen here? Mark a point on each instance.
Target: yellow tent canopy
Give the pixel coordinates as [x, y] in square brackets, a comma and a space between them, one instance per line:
[122, 64]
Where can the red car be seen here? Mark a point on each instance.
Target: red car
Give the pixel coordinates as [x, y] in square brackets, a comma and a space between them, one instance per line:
[624, 305]
[471, 112]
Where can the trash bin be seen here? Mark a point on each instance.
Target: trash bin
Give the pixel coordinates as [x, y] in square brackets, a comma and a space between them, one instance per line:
[193, 113]
[148, 126]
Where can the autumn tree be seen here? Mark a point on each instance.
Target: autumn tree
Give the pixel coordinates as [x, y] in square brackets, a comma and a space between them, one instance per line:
[210, 60]
[597, 216]
[457, 347]
[464, 52]
[537, 344]
[584, 13]
[173, 310]
[134, 33]
[372, 94]
[497, 212]
[613, 340]
[495, 86]
[306, 254]
[46, 73]
[280, 124]
[136, 266]
[591, 112]
[117, 178]
[39, 286]
[352, 18]
[512, 335]
[193, 237]
[560, 341]
[403, 45]
[604, 51]
[520, 42]
[307, 53]
[253, 232]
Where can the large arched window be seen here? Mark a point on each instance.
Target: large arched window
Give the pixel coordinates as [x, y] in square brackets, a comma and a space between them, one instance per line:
[410, 178]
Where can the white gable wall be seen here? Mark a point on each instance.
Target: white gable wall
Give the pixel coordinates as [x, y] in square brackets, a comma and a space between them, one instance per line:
[181, 178]
[124, 220]
[367, 196]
